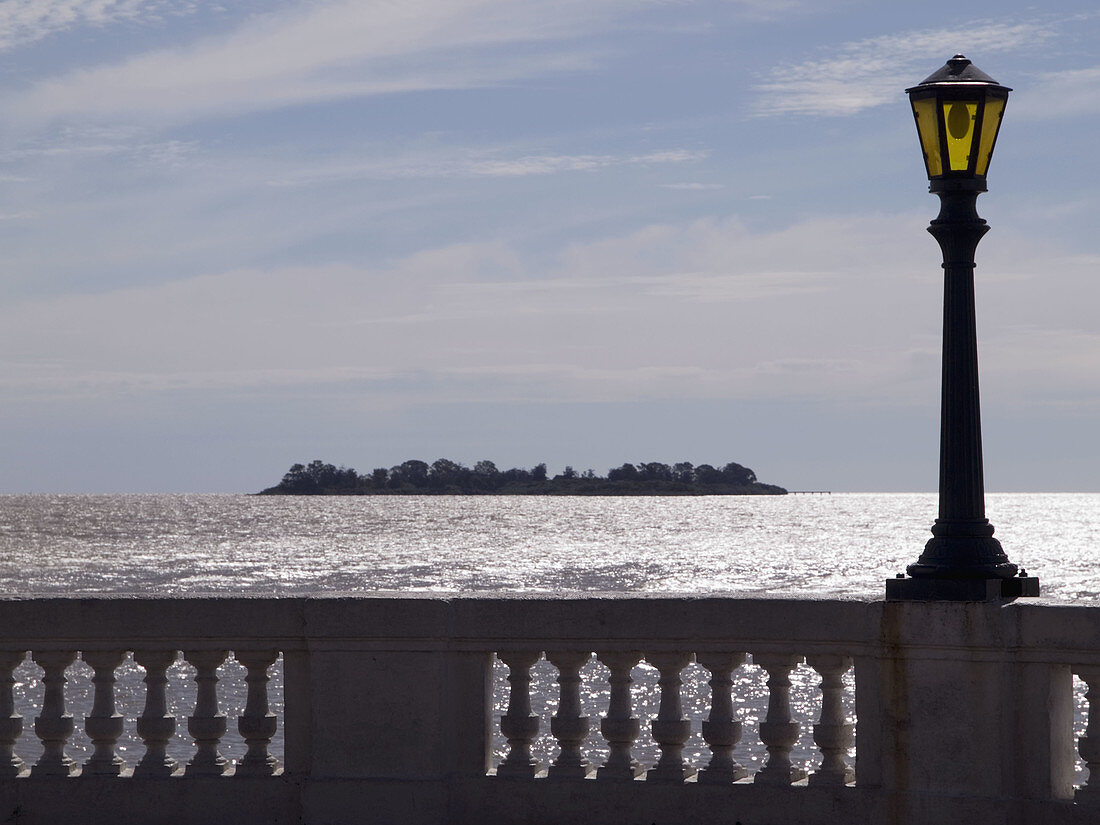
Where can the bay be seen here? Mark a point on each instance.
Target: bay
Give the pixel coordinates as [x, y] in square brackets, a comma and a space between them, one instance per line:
[842, 545]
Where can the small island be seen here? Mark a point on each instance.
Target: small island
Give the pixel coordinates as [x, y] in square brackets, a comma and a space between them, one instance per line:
[446, 477]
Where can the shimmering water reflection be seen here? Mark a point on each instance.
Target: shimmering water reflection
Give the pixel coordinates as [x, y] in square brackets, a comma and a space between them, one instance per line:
[835, 545]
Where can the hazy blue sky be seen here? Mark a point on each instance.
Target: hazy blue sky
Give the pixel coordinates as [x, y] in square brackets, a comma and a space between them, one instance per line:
[581, 232]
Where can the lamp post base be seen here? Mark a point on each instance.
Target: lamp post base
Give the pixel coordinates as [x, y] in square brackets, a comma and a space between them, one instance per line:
[961, 590]
[960, 550]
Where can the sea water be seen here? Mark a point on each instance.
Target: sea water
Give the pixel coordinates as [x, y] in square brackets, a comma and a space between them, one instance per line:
[803, 546]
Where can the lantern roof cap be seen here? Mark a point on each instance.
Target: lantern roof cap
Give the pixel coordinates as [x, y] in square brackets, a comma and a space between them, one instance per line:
[958, 70]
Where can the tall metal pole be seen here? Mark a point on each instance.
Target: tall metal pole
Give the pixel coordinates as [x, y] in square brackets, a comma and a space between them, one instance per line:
[962, 543]
[962, 561]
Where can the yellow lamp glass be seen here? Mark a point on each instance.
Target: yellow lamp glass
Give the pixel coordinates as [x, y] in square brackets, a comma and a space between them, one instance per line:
[958, 111]
[991, 125]
[928, 128]
[959, 117]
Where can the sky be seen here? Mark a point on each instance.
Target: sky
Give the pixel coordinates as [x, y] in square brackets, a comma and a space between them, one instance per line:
[581, 232]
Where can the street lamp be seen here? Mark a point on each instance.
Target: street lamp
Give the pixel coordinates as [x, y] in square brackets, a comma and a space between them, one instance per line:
[958, 110]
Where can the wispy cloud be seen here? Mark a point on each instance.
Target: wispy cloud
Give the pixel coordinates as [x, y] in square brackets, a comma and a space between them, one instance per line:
[549, 164]
[693, 187]
[867, 73]
[593, 318]
[1057, 94]
[474, 164]
[27, 21]
[829, 308]
[332, 50]
[170, 152]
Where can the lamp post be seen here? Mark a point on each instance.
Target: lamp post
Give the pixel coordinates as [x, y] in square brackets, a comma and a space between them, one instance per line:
[958, 112]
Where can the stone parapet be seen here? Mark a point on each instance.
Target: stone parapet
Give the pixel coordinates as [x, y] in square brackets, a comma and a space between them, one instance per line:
[963, 712]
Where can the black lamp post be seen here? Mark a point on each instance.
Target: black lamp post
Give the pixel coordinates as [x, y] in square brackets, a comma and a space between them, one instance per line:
[958, 111]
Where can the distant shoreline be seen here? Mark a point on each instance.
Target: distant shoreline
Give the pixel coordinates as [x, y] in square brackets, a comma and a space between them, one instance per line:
[758, 490]
[445, 477]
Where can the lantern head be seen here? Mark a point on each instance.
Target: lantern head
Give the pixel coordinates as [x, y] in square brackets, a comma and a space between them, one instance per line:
[958, 110]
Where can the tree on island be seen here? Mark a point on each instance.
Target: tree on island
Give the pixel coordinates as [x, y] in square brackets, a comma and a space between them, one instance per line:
[319, 478]
[447, 477]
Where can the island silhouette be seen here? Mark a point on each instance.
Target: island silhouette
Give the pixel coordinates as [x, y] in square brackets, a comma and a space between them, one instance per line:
[446, 477]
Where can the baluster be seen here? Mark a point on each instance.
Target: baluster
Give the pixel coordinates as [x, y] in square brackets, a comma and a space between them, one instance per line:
[833, 734]
[104, 725]
[155, 726]
[207, 725]
[620, 727]
[519, 725]
[258, 723]
[11, 723]
[720, 730]
[671, 728]
[778, 731]
[568, 726]
[1089, 744]
[54, 726]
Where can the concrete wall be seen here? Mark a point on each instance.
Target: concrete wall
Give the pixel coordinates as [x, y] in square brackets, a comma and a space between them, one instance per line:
[964, 710]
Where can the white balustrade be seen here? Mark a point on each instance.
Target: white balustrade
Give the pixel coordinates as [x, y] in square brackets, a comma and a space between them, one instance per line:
[620, 727]
[778, 731]
[833, 734]
[104, 724]
[155, 726]
[671, 729]
[207, 725]
[54, 726]
[389, 710]
[721, 731]
[519, 725]
[568, 725]
[11, 723]
[258, 723]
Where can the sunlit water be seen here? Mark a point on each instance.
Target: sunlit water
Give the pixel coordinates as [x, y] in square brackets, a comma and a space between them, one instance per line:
[799, 545]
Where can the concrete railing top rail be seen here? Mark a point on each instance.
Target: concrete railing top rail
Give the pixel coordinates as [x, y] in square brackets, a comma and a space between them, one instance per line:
[1031, 631]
